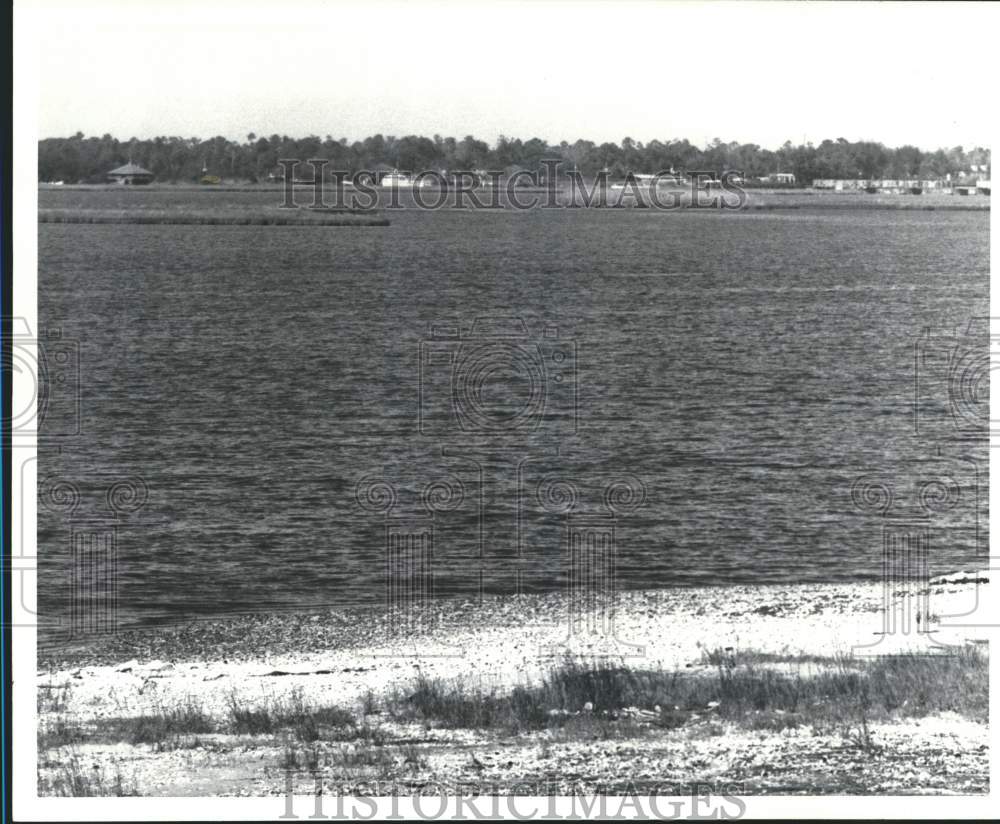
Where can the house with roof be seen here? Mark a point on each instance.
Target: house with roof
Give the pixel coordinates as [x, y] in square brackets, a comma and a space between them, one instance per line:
[781, 178]
[131, 174]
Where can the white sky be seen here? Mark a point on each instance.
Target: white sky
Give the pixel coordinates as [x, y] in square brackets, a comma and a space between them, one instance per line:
[763, 73]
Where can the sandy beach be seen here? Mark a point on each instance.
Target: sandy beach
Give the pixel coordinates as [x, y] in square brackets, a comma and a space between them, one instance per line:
[354, 661]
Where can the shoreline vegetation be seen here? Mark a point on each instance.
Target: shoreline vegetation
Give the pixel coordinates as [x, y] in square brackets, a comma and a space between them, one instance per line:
[231, 217]
[79, 158]
[362, 210]
[766, 689]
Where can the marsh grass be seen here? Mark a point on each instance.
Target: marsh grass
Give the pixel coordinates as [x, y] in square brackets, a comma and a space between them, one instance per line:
[743, 690]
[369, 703]
[292, 217]
[59, 731]
[163, 724]
[294, 713]
[593, 700]
[178, 727]
[73, 778]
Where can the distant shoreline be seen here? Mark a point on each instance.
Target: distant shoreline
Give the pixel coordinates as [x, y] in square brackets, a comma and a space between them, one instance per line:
[756, 200]
[231, 217]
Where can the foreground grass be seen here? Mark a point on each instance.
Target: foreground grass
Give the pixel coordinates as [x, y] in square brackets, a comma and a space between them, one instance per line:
[392, 737]
[302, 720]
[745, 689]
[73, 779]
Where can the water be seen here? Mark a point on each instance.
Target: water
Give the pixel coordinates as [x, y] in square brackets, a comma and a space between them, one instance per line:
[738, 372]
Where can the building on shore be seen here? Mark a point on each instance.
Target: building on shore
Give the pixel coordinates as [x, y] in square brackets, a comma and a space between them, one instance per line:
[131, 174]
[905, 186]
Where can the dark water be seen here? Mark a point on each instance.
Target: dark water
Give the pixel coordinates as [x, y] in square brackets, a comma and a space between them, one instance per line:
[722, 379]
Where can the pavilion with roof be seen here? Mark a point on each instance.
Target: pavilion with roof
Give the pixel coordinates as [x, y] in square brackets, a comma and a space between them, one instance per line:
[131, 174]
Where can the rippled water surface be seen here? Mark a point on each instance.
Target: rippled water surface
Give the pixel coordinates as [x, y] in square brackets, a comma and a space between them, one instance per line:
[716, 382]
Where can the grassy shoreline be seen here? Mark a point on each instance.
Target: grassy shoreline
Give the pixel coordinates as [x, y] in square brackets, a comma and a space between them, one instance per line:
[818, 721]
[615, 200]
[772, 687]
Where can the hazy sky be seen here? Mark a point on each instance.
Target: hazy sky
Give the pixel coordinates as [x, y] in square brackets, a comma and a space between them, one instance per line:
[762, 73]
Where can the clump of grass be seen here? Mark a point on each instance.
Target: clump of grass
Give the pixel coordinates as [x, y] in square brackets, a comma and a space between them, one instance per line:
[59, 732]
[448, 702]
[452, 704]
[305, 720]
[364, 732]
[245, 719]
[166, 722]
[921, 685]
[55, 729]
[844, 691]
[369, 703]
[290, 758]
[861, 738]
[604, 686]
[74, 779]
[180, 726]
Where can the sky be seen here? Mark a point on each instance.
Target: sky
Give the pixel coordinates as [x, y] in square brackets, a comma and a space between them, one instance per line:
[758, 73]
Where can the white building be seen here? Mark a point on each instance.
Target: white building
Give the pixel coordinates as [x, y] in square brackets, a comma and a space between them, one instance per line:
[396, 180]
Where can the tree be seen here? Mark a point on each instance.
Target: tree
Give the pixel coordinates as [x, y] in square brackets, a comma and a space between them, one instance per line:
[172, 158]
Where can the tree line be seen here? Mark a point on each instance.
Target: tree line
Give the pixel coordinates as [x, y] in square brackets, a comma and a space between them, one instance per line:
[179, 159]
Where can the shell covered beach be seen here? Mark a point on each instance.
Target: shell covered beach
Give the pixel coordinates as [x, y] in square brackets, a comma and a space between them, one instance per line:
[770, 689]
